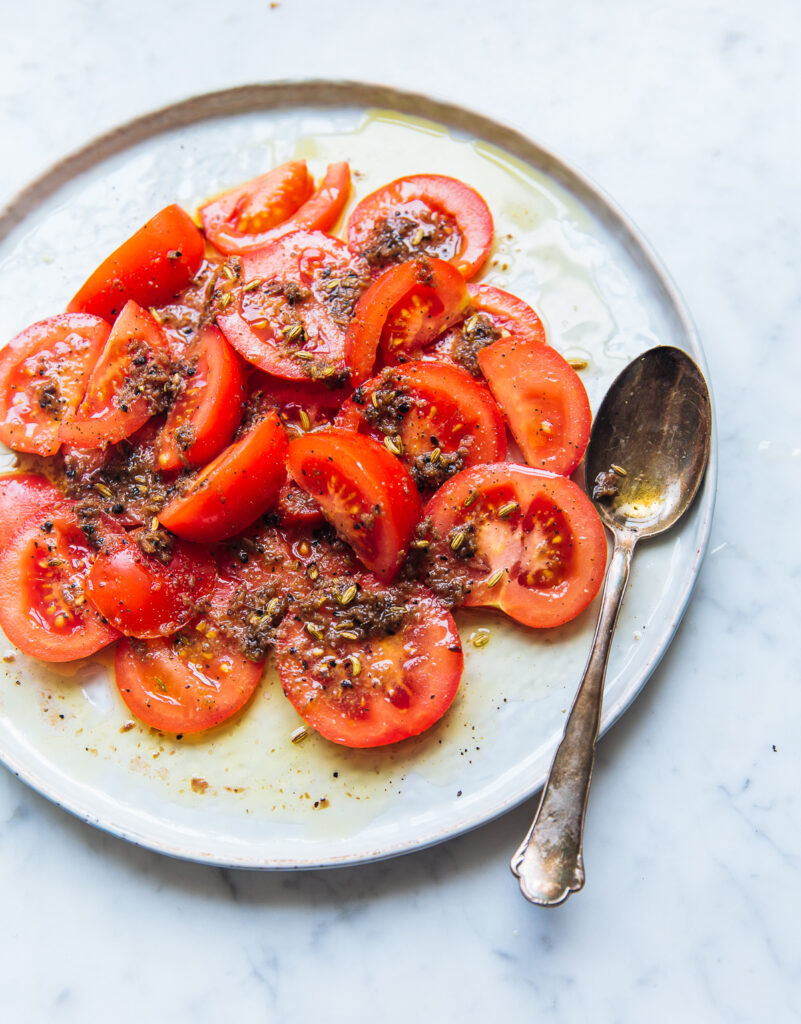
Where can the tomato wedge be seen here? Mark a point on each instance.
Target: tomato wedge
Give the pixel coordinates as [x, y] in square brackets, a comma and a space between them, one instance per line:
[392, 674]
[492, 314]
[146, 594]
[436, 418]
[243, 219]
[43, 584]
[129, 383]
[206, 414]
[22, 495]
[403, 311]
[322, 210]
[233, 490]
[289, 310]
[185, 683]
[364, 492]
[43, 376]
[513, 538]
[152, 266]
[423, 214]
[543, 400]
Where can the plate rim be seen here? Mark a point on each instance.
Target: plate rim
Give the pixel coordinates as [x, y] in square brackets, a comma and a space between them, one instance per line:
[339, 93]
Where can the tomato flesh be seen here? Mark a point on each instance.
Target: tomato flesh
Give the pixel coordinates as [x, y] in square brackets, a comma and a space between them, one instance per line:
[435, 417]
[127, 383]
[143, 596]
[428, 214]
[185, 683]
[44, 373]
[543, 400]
[233, 490]
[526, 542]
[43, 588]
[402, 312]
[205, 416]
[364, 492]
[152, 266]
[370, 685]
[22, 495]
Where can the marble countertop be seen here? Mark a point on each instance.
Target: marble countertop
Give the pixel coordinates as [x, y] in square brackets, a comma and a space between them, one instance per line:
[686, 113]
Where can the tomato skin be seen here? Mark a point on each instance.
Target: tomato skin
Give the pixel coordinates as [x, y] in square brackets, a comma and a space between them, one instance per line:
[43, 580]
[403, 311]
[499, 314]
[405, 681]
[447, 410]
[144, 597]
[48, 363]
[321, 211]
[235, 489]
[543, 400]
[551, 548]
[23, 495]
[169, 684]
[111, 410]
[152, 266]
[363, 491]
[467, 217]
[256, 322]
[244, 218]
[210, 408]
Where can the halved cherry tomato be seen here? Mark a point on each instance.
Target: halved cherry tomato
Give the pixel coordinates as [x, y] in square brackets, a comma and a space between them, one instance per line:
[185, 683]
[243, 219]
[543, 400]
[143, 596]
[526, 542]
[127, 385]
[363, 491]
[435, 417]
[492, 314]
[233, 490]
[289, 312]
[154, 264]
[22, 495]
[43, 584]
[403, 311]
[391, 682]
[43, 376]
[427, 214]
[205, 416]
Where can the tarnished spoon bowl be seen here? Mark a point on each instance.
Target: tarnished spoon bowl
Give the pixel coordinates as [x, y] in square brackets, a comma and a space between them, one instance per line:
[644, 464]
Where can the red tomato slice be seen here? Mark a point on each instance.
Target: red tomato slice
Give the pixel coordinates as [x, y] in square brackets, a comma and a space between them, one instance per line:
[154, 264]
[302, 405]
[127, 386]
[436, 417]
[371, 684]
[543, 400]
[43, 376]
[510, 537]
[186, 683]
[297, 508]
[244, 218]
[233, 490]
[403, 310]
[43, 585]
[322, 210]
[205, 416]
[363, 491]
[23, 495]
[289, 312]
[427, 214]
[143, 596]
[492, 314]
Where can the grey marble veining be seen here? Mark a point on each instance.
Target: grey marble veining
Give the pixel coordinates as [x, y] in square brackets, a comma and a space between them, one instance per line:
[687, 114]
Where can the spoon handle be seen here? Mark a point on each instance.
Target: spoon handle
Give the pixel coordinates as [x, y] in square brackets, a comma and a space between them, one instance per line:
[549, 862]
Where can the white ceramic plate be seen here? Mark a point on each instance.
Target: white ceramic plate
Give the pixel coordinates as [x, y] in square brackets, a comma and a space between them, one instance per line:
[245, 795]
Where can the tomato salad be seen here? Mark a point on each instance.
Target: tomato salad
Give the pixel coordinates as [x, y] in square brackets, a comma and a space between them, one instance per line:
[256, 435]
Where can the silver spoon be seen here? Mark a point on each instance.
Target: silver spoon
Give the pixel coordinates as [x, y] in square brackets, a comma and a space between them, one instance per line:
[645, 461]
